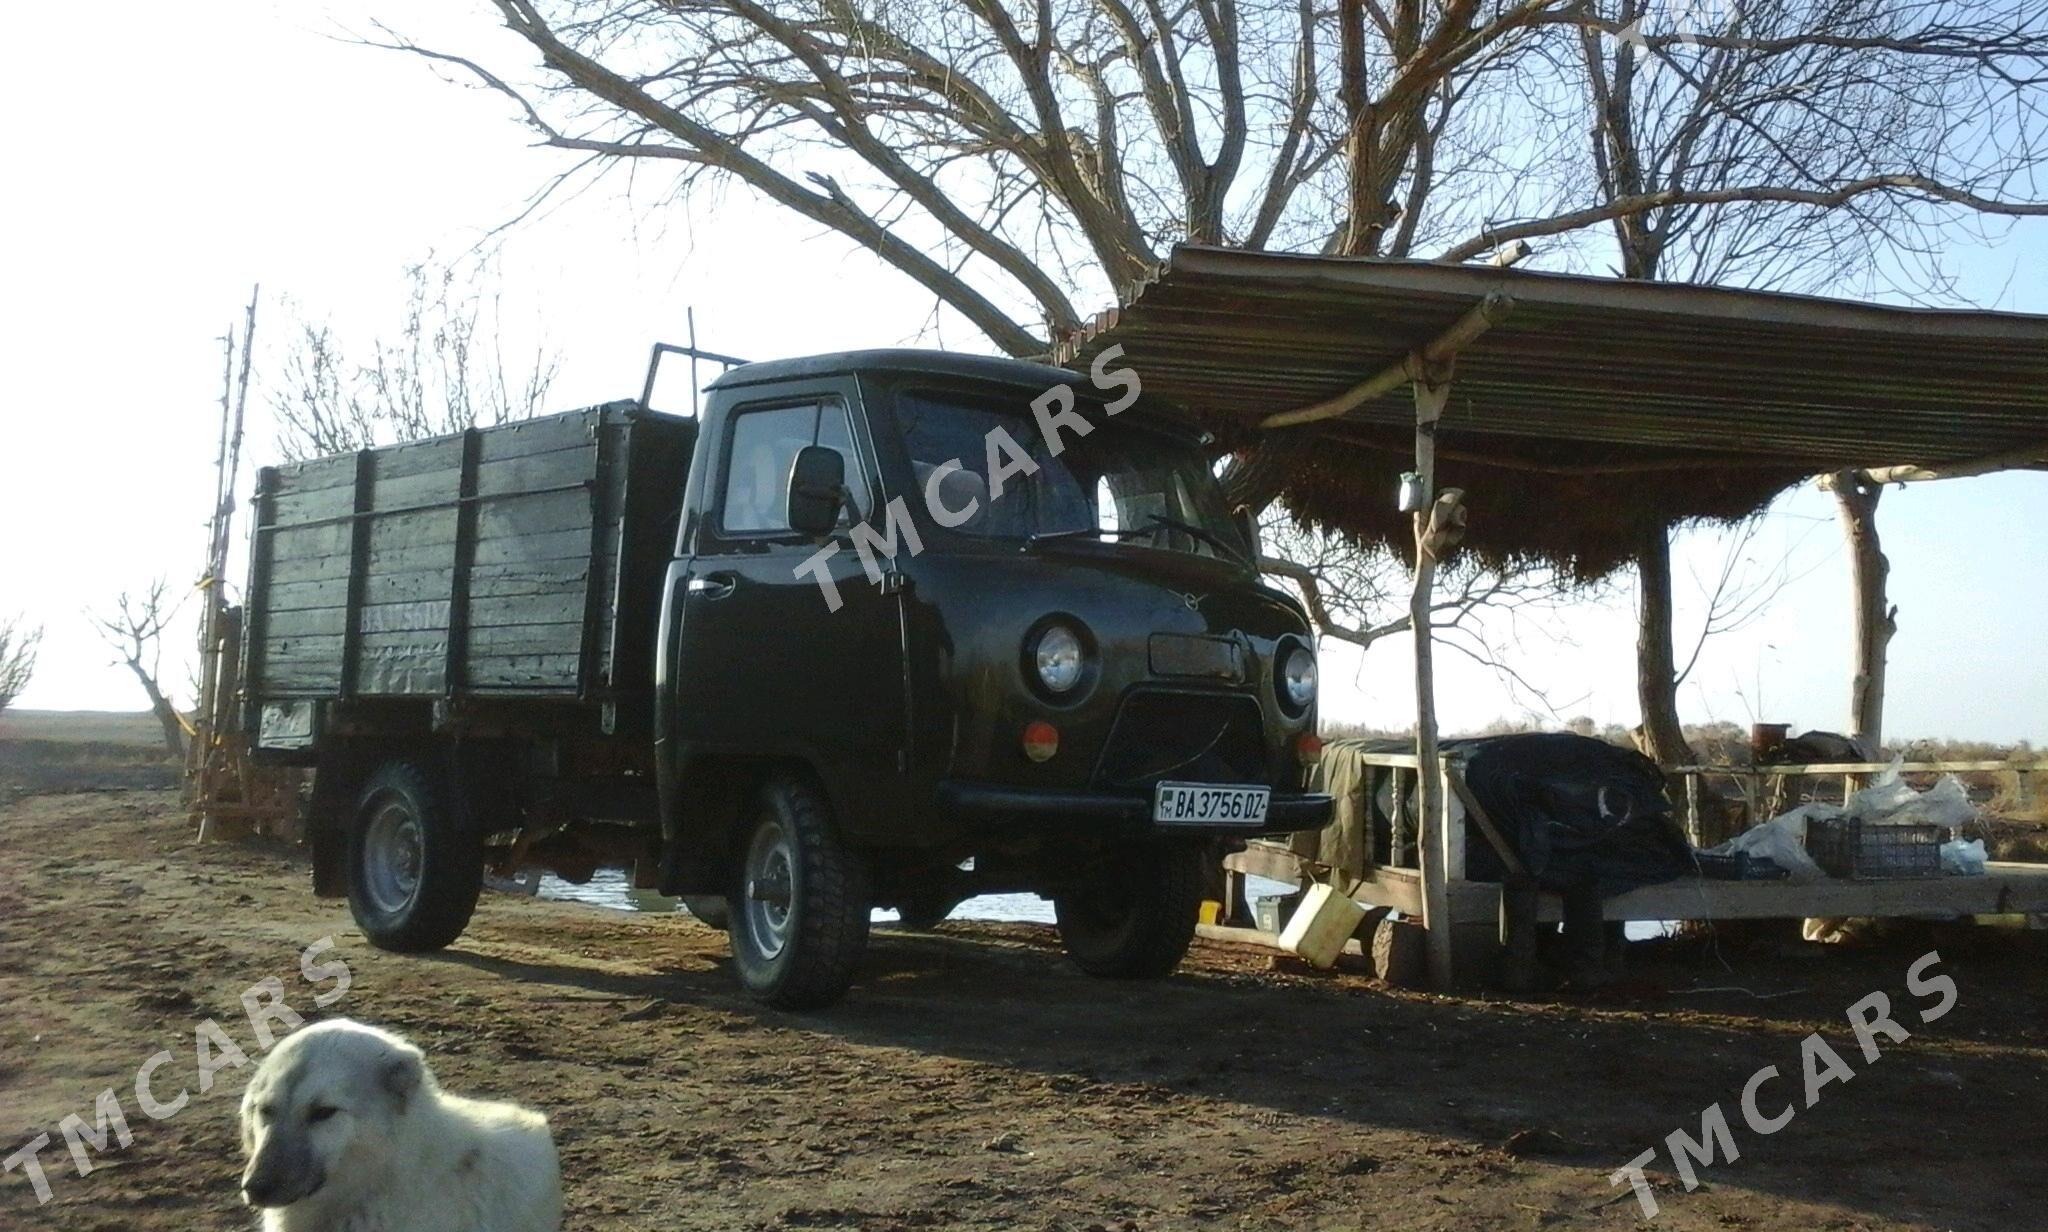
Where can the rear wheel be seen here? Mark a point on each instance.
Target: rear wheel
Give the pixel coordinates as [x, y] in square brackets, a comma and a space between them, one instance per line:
[1134, 918]
[800, 901]
[414, 873]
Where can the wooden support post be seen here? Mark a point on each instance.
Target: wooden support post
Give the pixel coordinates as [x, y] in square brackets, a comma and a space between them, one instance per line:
[1520, 964]
[1518, 891]
[1399, 856]
[1692, 811]
[1432, 392]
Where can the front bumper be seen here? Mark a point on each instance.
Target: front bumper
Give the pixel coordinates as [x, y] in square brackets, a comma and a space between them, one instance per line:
[984, 804]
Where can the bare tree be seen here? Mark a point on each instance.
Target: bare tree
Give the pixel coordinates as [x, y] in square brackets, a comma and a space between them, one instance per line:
[19, 646]
[1359, 595]
[135, 629]
[1793, 144]
[446, 370]
[1020, 161]
[1010, 161]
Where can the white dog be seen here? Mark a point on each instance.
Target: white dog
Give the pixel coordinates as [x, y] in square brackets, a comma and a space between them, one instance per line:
[346, 1131]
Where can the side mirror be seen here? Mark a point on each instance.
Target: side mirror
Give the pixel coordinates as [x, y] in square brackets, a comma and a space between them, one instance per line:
[817, 490]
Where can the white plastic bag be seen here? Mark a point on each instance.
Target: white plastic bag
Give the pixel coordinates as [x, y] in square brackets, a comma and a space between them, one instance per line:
[1964, 859]
[1886, 793]
[1889, 799]
[1782, 841]
[1946, 804]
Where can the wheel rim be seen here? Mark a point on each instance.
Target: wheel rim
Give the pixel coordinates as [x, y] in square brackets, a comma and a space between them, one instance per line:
[394, 852]
[770, 888]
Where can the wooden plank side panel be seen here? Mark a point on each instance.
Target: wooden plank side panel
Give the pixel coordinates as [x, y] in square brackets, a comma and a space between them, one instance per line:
[335, 471]
[528, 588]
[564, 606]
[522, 514]
[411, 532]
[435, 487]
[545, 435]
[313, 504]
[559, 468]
[308, 622]
[290, 542]
[310, 568]
[403, 663]
[550, 673]
[562, 547]
[302, 663]
[562, 637]
[301, 596]
[425, 614]
[383, 563]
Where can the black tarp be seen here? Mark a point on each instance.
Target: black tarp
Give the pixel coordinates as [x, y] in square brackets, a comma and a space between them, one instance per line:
[1583, 815]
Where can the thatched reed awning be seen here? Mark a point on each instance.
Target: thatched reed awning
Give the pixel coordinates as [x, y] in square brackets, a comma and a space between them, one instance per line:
[1588, 409]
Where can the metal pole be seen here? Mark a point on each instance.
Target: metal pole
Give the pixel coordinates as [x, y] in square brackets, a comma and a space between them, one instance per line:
[690, 314]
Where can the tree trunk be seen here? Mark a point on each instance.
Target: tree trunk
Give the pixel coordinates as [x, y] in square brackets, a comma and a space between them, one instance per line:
[1856, 496]
[166, 714]
[1656, 675]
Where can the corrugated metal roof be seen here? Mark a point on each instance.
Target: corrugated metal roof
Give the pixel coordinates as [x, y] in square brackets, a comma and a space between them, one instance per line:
[1584, 372]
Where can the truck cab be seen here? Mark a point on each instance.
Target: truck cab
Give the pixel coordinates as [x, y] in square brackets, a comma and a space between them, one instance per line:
[931, 626]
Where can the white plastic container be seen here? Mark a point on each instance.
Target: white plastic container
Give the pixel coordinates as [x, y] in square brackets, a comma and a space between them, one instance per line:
[1321, 925]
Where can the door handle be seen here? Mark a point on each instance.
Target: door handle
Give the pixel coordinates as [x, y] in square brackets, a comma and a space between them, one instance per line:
[713, 585]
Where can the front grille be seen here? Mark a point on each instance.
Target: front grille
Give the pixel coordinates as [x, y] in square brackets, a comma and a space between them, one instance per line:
[1191, 737]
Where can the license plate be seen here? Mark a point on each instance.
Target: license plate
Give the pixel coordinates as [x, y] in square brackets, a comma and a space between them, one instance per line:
[1203, 804]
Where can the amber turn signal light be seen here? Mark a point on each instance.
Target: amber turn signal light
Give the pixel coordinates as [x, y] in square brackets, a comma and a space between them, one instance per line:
[1308, 749]
[1041, 740]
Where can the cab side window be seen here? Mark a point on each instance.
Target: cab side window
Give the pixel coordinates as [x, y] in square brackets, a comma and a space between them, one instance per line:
[764, 445]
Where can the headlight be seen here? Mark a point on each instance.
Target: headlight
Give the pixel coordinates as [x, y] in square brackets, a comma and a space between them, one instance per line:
[1058, 658]
[1298, 677]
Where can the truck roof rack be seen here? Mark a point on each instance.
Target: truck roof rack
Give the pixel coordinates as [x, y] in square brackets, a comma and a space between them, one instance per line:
[696, 355]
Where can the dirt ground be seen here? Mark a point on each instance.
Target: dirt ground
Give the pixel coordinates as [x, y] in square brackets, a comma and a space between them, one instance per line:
[974, 1079]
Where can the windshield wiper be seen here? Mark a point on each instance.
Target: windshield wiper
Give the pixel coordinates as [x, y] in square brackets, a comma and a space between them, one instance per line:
[1084, 532]
[1213, 540]
[1153, 522]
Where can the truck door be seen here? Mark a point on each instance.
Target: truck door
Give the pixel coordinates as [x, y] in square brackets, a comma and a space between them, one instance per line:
[765, 664]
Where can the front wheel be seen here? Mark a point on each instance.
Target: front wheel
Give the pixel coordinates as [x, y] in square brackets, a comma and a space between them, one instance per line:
[800, 901]
[1134, 918]
[414, 872]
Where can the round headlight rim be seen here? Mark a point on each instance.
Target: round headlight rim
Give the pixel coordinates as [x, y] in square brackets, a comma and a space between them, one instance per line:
[1027, 660]
[1078, 651]
[1282, 690]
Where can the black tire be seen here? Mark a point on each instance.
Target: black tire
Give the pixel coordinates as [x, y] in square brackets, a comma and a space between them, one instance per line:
[414, 873]
[708, 909]
[799, 903]
[1135, 918]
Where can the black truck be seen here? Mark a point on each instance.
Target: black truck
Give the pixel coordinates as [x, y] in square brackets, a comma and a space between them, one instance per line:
[876, 629]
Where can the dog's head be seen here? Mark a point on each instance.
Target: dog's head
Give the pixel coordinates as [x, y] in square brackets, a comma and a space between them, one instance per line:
[321, 1110]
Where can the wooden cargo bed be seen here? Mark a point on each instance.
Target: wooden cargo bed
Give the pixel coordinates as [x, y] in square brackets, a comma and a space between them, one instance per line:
[503, 561]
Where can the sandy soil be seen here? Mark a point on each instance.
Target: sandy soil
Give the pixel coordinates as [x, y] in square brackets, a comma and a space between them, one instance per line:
[973, 1079]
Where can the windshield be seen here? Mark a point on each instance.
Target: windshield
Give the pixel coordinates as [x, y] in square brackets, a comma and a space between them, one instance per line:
[984, 470]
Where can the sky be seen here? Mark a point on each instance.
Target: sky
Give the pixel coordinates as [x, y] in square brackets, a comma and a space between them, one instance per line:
[241, 142]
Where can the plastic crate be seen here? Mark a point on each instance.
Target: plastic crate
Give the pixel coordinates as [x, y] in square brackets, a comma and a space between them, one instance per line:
[1860, 850]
